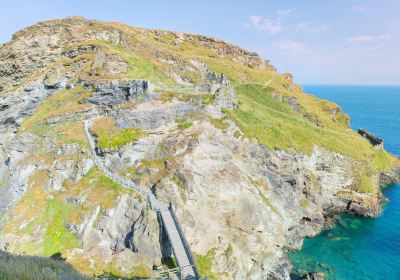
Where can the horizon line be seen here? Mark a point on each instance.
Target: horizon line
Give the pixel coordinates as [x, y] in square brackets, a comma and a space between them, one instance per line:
[345, 84]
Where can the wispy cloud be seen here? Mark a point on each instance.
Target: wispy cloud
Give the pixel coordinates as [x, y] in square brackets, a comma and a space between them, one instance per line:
[283, 13]
[310, 27]
[357, 9]
[291, 47]
[269, 25]
[272, 26]
[369, 44]
[368, 38]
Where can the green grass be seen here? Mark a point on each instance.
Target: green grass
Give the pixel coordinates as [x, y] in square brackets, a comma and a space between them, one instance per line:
[184, 123]
[140, 67]
[120, 139]
[205, 263]
[276, 125]
[169, 95]
[169, 262]
[237, 134]
[110, 137]
[57, 237]
[2, 183]
[237, 72]
[64, 103]
[382, 160]
[98, 189]
[139, 271]
[14, 267]
[228, 251]
[153, 163]
[267, 201]
[365, 184]
[131, 172]
[304, 203]
[219, 123]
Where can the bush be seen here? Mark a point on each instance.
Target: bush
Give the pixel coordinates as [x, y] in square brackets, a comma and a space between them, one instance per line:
[184, 123]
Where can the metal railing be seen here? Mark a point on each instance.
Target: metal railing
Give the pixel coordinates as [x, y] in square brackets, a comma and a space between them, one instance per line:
[152, 200]
[184, 242]
[99, 163]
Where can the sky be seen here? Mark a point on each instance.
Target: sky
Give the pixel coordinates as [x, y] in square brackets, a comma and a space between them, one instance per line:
[318, 41]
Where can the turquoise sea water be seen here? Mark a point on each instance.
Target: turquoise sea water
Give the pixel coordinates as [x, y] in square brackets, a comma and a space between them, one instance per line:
[360, 248]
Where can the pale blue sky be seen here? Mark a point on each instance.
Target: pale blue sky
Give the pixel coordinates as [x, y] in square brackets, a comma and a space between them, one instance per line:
[341, 41]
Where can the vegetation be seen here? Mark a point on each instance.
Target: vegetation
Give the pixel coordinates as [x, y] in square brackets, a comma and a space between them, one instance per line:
[18, 267]
[2, 183]
[267, 201]
[219, 123]
[131, 172]
[57, 237]
[205, 263]
[205, 99]
[98, 189]
[184, 123]
[169, 262]
[364, 184]
[64, 103]
[237, 134]
[110, 137]
[140, 67]
[35, 212]
[304, 203]
[287, 128]
[137, 272]
[157, 163]
[228, 251]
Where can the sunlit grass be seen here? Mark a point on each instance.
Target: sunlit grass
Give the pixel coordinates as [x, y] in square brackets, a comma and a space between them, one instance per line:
[110, 137]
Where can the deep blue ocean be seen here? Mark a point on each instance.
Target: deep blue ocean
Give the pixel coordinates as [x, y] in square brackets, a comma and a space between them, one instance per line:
[359, 248]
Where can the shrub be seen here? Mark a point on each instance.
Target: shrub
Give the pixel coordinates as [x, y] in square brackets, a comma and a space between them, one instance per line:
[184, 123]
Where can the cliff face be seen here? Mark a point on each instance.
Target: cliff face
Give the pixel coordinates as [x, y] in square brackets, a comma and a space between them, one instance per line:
[251, 163]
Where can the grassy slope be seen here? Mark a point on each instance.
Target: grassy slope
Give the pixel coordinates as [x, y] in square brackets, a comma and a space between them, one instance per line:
[26, 268]
[276, 125]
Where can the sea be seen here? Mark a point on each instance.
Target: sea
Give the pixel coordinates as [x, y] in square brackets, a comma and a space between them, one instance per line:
[359, 248]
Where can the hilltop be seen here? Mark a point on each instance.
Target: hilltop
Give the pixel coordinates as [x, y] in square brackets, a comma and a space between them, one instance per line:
[250, 162]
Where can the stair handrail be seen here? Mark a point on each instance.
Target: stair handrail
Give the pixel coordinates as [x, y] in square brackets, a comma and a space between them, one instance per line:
[184, 241]
[146, 193]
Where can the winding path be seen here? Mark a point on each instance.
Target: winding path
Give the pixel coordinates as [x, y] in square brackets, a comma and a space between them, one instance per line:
[168, 219]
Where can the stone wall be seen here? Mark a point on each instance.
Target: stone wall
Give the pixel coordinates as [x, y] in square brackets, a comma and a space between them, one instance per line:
[375, 140]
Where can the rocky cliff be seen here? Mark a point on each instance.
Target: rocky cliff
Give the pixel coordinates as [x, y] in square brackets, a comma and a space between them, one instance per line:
[251, 163]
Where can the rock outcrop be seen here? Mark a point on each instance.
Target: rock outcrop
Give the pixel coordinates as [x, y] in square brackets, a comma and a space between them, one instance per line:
[117, 92]
[313, 276]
